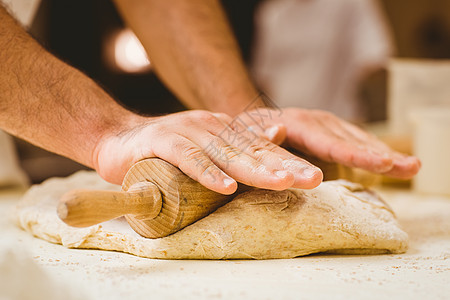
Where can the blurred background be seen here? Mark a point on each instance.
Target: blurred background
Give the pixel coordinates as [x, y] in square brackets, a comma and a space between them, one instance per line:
[346, 44]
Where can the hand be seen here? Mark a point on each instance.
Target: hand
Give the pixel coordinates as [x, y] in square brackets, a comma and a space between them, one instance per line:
[209, 148]
[331, 139]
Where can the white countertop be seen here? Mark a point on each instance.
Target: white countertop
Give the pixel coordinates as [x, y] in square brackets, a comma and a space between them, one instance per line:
[422, 272]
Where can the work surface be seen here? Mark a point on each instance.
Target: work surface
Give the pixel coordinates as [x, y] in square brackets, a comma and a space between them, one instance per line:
[55, 272]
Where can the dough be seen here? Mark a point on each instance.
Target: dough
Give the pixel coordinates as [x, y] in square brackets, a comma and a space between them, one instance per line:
[337, 217]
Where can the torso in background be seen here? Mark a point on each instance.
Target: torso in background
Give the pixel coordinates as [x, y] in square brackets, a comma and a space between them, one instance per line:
[313, 54]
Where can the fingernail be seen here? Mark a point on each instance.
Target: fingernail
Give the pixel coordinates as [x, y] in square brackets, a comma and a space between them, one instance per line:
[413, 160]
[228, 181]
[271, 132]
[384, 155]
[310, 172]
[282, 174]
[293, 164]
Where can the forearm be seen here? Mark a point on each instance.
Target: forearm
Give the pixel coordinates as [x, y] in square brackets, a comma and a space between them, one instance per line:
[54, 106]
[49, 103]
[193, 50]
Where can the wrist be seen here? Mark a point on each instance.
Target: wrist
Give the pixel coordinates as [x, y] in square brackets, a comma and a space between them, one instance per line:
[109, 140]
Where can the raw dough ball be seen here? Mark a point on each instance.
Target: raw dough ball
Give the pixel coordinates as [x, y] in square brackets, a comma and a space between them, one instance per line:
[337, 217]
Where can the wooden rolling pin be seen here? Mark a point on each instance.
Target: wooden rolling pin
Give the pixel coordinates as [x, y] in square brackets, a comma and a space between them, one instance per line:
[157, 199]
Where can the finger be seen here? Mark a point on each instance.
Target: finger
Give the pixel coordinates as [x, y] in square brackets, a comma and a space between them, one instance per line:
[332, 148]
[405, 167]
[335, 143]
[305, 174]
[347, 144]
[369, 140]
[360, 157]
[331, 139]
[230, 159]
[191, 160]
[244, 168]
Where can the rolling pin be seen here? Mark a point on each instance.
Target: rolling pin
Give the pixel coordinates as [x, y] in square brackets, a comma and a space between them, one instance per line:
[157, 199]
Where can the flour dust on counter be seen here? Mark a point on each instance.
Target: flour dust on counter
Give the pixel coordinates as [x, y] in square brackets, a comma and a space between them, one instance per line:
[22, 278]
[336, 217]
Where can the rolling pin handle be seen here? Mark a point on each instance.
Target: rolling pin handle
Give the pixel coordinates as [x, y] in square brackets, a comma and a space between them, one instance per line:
[83, 208]
[146, 191]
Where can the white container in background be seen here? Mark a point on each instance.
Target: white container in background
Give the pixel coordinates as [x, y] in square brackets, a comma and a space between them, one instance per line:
[432, 146]
[415, 85]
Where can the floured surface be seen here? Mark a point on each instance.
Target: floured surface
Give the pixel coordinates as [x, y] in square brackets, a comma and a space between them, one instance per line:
[337, 216]
[420, 273]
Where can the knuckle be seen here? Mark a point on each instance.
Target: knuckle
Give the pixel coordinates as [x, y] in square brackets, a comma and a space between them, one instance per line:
[230, 152]
[209, 171]
[192, 161]
[255, 149]
[175, 144]
[296, 113]
[191, 152]
[223, 117]
[203, 116]
[325, 115]
[213, 147]
[192, 118]
[259, 153]
[220, 151]
[187, 121]
[182, 149]
[262, 147]
[157, 129]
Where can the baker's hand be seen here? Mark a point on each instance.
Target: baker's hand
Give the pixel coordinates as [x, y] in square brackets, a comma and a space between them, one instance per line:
[208, 147]
[332, 139]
